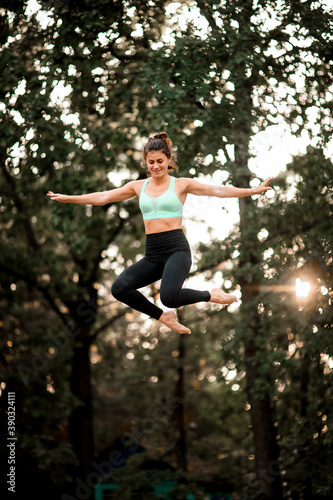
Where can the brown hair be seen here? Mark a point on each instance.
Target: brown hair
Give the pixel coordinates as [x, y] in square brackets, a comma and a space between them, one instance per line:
[160, 142]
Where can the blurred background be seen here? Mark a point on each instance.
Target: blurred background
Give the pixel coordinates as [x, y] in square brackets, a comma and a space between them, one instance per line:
[103, 402]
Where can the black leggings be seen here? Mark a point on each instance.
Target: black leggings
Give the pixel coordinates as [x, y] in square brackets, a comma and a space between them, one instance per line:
[168, 256]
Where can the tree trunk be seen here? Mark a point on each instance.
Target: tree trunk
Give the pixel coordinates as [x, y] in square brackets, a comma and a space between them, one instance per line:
[264, 433]
[180, 413]
[304, 393]
[81, 419]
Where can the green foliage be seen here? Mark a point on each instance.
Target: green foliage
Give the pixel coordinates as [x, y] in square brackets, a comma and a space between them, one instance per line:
[304, 374]
[51, 254]
[294, 347]
[229, 78]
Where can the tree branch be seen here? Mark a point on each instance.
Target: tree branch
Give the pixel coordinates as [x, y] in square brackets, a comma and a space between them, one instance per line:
[33, 283]
[110, 322]
[206, 12]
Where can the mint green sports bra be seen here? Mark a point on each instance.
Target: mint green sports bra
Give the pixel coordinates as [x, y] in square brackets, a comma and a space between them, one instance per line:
[162, 207]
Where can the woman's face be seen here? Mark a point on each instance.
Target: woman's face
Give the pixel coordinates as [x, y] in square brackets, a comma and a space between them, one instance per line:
[157, 163]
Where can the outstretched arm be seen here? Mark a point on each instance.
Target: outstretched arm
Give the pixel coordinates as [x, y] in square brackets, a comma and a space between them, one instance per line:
[99, 198]
[195, 187]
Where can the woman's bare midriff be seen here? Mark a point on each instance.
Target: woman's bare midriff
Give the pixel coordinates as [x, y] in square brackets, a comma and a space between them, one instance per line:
[160, 225]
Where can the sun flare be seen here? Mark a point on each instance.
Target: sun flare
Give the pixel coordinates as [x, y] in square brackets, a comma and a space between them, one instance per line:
[302, 288]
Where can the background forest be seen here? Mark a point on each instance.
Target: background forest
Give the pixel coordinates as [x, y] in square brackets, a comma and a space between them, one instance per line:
[243, 406]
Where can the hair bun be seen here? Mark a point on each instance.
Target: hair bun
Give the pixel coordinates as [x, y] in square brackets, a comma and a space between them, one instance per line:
[164, 137]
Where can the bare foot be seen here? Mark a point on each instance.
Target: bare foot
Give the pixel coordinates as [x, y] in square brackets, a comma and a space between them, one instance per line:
[169, 319]
[217, 296]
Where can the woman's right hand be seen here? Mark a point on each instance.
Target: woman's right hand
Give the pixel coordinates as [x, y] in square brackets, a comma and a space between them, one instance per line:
[63, 198]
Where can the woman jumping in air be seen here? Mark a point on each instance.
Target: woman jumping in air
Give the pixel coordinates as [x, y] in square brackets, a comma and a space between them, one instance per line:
[168, 256]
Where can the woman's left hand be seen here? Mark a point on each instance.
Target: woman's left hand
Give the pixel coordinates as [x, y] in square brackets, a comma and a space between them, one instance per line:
[263, 187]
